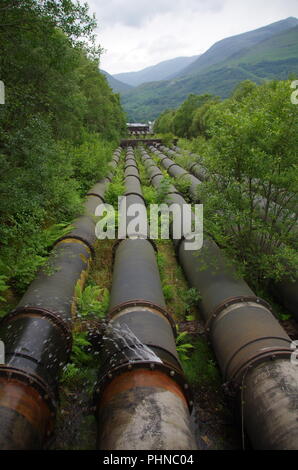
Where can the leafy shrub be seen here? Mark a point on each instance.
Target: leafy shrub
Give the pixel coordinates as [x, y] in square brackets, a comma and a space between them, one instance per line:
[168, 292]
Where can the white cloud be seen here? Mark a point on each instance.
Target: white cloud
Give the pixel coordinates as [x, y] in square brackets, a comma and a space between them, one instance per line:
[136, 13]
[139, 33]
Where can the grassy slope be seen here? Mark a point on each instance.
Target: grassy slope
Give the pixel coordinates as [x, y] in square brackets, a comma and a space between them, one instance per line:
[282, 46]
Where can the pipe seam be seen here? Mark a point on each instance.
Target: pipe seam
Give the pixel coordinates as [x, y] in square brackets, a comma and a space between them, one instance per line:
[34, 381]
[148, 306]
[76, 238]
[97, 195]
[234, 300]
[54, 317]
[168, 369]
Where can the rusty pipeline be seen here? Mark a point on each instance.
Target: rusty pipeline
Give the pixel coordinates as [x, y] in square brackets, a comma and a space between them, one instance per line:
[252, 348]
[142, 398]
[37, 336]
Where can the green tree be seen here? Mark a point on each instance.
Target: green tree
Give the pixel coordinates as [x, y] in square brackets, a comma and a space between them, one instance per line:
[252, 154]
[164, 123]
[58, 127]
[184, 116]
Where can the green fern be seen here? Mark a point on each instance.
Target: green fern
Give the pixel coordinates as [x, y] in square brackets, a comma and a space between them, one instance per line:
[88, 303]
[183, 348]
[3, 286]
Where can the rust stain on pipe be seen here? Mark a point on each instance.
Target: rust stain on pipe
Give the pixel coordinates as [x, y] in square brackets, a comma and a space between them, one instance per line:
[140, 378]
[25, 400]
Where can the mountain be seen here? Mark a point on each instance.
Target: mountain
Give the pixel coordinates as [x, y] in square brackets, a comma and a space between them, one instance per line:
[116, 85]
[161, 71]
[279, 47]
[225, 48]
[274, 56]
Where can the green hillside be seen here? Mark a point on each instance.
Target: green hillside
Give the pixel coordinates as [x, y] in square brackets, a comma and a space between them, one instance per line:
[282, 46]
[161, 71]
[273, 58]
[226, 48]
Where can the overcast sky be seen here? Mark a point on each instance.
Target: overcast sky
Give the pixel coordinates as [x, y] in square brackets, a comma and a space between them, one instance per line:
[139, 33]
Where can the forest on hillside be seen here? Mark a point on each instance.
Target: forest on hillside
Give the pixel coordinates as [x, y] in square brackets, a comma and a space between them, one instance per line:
[58, 128]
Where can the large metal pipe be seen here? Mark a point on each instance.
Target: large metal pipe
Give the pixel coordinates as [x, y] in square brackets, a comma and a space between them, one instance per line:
[252, 348]
[37, 336]
[142, 396]
[176, 171]
[192, 164]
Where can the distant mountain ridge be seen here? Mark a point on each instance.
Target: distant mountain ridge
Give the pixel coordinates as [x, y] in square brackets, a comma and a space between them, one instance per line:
[161, 71]
[271, 52]
[116, 85]
[227, 47]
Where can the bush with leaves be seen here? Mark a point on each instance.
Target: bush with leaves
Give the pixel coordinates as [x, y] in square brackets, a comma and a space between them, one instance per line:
[252, 151]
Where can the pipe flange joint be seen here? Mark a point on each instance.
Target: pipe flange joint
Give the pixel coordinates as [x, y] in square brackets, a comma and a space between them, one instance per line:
[235, 382]
[230, 301]
[167, 368]
[97, 195]
[34, 381]
[71, 237]
[54, 317]
[143, 303]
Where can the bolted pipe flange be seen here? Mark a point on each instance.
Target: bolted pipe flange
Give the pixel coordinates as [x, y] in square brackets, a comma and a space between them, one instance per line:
[269, 355]
[230, 301]
[33, 381]
[54, 317]
[143, 303]
[164, 367]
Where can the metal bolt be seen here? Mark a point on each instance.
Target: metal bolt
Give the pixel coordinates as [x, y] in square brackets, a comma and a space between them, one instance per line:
[152, 366]
[129, 367]
[186, 386]
[172, 373]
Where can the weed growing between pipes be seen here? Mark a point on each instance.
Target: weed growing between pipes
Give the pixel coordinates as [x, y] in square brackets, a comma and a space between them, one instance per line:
[116, 187]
